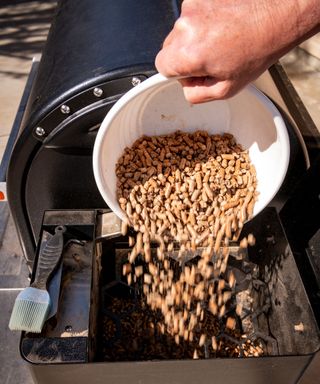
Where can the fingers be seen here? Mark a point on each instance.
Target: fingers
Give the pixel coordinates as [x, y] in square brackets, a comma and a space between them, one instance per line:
[174, 60]
[201, 89]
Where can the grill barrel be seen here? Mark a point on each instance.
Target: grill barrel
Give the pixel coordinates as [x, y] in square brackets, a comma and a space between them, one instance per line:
[107, 45]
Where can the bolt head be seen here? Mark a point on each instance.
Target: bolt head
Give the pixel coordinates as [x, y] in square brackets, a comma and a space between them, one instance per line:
[68, 328]
[40, 131]
[98, 92]
[135, 81]
[65, 109]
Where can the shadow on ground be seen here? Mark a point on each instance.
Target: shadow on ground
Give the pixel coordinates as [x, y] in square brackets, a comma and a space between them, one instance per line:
[23, 30]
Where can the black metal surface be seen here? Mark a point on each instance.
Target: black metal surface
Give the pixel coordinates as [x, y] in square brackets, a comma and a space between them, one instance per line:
[55, 349]
[290, 305]
[91, 41]
[268, 276]
[299, 113]
[79, 105]
[69, 335]
[287, 307]
[301, 220]
[90, 44]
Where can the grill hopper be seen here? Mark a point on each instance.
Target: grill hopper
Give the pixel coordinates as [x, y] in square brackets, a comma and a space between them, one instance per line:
[96, 305]
[275, 315]
[132, 331]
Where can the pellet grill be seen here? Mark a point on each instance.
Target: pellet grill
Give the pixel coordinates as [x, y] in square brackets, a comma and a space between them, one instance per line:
[95, 52]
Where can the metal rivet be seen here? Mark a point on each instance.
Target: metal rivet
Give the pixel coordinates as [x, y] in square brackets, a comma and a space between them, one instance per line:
[98, 92]
[135, 81]
[40, 131]
[65, 109]
[68, 328]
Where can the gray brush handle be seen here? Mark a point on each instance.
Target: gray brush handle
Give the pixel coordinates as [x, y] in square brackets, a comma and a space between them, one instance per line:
[49, 258]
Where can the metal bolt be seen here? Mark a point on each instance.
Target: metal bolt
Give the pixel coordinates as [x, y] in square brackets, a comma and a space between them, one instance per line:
[40, 131]
[65, 109]
[270, 239]
[98, 92]
[135, 81]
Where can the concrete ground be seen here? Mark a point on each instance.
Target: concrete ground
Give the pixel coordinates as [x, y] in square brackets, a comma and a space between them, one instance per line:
[23, 29]
[303, 70]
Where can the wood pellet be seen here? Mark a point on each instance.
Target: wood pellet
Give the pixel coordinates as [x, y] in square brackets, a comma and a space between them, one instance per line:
[186, 191]
[135, 333]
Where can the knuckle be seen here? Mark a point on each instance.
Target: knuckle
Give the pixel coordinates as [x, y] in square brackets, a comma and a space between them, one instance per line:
[193, 60]
[223, 90]
[181, 24]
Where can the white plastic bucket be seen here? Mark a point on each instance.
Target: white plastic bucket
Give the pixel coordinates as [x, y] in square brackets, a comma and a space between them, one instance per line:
[157, 106]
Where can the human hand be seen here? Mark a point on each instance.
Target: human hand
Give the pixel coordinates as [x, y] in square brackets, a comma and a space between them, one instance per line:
[221, 46]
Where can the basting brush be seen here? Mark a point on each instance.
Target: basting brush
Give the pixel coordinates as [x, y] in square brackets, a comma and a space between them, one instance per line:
[32, 305]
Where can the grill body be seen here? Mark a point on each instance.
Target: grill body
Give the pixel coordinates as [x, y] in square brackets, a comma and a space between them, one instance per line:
[74, 345]
[105, 45]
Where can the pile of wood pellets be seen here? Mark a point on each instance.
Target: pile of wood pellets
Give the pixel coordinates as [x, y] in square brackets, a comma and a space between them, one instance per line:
[134, 333]
[185, 192]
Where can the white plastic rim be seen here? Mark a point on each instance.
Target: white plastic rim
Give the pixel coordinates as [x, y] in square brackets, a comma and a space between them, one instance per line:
[157, 106]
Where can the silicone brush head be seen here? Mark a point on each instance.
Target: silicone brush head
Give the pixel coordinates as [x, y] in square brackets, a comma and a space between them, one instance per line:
[30, 310]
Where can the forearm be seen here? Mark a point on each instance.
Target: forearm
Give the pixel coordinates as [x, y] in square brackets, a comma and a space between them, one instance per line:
[308, 18]
[293, 21]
